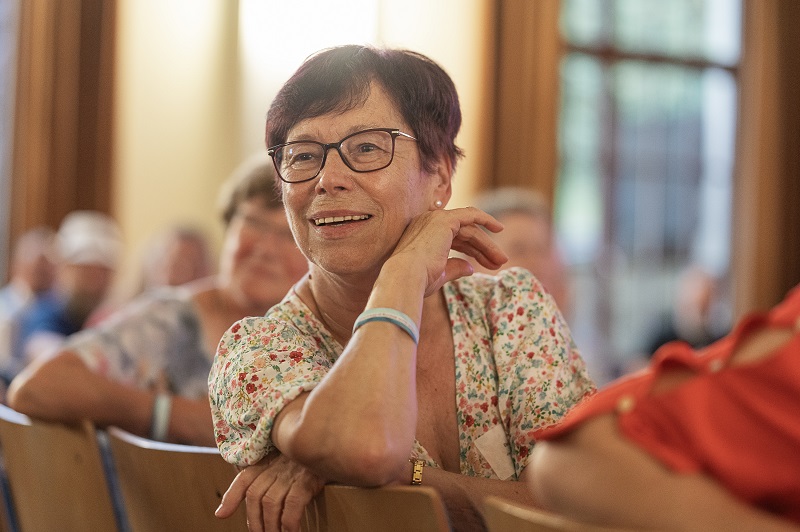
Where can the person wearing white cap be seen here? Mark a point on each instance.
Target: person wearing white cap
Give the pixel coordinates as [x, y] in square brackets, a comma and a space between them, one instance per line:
[89, 245]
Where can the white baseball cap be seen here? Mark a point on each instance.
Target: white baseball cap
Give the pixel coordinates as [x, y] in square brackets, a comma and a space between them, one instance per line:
[89, 237]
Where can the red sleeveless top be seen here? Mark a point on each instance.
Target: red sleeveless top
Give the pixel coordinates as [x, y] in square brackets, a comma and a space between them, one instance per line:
[739, 424]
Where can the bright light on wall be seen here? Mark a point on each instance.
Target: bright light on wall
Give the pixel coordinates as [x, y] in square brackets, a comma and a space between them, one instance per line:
[275, 36]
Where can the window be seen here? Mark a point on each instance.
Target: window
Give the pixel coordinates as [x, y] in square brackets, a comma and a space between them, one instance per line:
[646, 144]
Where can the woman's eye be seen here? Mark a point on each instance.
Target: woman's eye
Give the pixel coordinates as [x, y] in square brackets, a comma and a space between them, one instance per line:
[366, 148]
[302, 158]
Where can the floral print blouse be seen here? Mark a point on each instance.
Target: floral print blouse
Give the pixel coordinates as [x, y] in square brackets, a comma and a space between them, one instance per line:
[154, 343]
[517, 371]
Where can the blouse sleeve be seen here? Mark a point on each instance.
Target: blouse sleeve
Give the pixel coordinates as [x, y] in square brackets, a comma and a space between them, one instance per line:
[541, 374]
[261, 365]
[133, 345]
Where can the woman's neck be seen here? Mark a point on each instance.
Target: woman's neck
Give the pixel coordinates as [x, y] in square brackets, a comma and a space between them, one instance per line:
[335, 301]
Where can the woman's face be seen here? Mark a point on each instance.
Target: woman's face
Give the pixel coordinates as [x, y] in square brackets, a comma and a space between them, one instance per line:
[381, 203]
[260, 261]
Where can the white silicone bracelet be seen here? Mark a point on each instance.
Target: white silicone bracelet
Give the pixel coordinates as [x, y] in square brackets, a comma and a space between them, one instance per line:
[389, 315]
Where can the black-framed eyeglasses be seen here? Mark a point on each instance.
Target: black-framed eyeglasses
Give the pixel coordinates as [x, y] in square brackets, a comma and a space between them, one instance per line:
[363, 151]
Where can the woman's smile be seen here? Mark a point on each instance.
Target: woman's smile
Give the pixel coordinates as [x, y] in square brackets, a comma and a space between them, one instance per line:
[338, 220]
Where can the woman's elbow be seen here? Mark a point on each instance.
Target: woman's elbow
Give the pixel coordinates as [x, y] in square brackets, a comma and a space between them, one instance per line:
[380, 464]
[367, 461]
[36, 391]
[24, 395]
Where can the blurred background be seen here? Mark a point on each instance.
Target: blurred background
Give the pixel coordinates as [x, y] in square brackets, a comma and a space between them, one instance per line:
[665, 136]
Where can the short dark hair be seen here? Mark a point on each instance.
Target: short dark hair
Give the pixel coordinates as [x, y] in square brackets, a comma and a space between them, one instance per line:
[337, 79]
[254, 178]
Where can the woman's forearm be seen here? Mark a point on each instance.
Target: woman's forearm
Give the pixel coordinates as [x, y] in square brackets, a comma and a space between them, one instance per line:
[358, 425]
[65, 389]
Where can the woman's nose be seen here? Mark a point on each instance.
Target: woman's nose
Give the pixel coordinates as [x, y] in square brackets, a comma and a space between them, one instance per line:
[335, 174]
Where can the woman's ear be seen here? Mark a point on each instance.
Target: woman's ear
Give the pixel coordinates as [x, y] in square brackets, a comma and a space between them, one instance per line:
[443, 181]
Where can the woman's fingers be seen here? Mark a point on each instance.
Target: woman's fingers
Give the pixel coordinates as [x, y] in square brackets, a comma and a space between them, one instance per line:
[271, 504]
[430, 237]
[475, 216]
[300, 493]
[475, 242]
[235, 493]
[276, 491]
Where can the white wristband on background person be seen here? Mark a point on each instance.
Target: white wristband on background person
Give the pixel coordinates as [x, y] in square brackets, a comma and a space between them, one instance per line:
[159, 426]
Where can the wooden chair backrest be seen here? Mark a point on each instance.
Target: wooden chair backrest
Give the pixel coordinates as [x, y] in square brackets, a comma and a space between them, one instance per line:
[172, 487]
[388, 509]
[505, 516]
[55, 474]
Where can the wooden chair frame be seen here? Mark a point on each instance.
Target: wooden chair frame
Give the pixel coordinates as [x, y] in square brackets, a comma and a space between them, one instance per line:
[388, 509]
[174, 487]
[56, 475]
[505, 516]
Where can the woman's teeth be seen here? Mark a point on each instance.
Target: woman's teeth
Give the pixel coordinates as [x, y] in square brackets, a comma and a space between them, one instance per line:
[339, 219]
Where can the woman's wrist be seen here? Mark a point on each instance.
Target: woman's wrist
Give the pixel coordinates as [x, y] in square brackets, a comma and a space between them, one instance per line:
[400, 286]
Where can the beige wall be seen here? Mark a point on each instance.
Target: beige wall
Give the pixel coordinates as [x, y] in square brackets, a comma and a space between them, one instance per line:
[194, 81]
[459, 35]
[176, 115]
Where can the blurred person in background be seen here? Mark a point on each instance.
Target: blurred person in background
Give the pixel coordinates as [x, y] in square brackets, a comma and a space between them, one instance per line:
[173, 256]
[31, 274]
[697, 316]
[145, 368]
[176, 255]
[528, 239]
[88, 245]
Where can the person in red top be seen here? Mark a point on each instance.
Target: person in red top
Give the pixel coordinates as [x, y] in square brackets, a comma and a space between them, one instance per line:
[706, 440]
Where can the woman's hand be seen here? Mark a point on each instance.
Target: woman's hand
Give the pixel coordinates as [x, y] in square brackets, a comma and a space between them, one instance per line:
[276, 490]
[428, 239]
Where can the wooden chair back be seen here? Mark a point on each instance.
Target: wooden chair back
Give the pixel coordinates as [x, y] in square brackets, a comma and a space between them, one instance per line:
[388, 509]
[501, 515]
[172, 487]
[55, 474]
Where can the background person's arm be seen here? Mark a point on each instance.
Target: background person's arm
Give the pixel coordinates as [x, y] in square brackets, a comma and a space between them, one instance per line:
[64, 389]
[594, 475]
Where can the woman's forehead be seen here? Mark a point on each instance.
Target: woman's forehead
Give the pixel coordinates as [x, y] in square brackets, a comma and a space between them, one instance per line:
[378, 110]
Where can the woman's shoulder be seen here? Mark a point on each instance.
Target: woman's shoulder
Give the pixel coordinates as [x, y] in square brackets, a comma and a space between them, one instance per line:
[509, 284]
[287, 326]
[284, 315]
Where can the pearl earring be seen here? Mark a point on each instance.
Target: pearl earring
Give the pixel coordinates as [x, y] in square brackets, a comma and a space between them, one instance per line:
[438, 203]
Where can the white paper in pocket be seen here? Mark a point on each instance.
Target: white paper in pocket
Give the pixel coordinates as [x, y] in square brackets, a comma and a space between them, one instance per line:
[495, 449]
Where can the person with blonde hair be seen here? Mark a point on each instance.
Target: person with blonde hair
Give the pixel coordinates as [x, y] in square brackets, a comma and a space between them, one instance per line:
[145, 368]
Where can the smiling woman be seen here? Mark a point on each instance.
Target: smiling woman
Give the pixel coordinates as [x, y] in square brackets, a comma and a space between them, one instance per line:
[390, 362]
